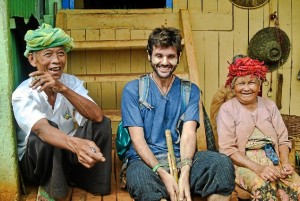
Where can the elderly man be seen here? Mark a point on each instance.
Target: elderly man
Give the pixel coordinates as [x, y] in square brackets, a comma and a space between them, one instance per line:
[52, 152]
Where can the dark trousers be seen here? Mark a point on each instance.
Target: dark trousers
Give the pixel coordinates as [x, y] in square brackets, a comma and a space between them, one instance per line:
[53, 168]
[211, 173]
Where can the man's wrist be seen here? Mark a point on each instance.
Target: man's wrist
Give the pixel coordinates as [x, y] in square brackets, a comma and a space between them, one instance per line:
[60, 89]
[155, 168]
[186, 162]
[71, 143]
[185, 168]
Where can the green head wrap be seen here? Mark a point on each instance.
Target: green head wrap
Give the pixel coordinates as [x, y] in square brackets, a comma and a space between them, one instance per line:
[47, 37]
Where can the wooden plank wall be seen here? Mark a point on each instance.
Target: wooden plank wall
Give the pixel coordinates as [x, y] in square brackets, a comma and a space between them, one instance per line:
[216, 48]
[295, 84]
[220, 31]
[97, 25]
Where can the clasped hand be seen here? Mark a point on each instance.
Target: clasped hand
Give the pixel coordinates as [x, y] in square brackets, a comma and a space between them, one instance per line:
[176, 191]
[274, 173]
[44, 80]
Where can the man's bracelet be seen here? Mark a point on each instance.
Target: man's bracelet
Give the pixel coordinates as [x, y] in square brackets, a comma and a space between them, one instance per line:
[154, 169]
[186, 161]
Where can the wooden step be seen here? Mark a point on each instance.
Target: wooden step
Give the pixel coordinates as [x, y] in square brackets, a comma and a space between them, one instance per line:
[124, 77]
[106, 45]
[112, 44]
[114, 115]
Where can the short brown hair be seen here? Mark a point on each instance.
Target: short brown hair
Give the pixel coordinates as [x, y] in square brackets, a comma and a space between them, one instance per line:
[165, 37]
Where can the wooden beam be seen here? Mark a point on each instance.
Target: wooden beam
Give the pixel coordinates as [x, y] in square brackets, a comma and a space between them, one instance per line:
[189, 47]
[91, 19]
[95, 20]
[193, 71]
[100, 45]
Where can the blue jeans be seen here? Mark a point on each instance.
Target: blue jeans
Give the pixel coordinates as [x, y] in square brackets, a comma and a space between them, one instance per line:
[211, 173]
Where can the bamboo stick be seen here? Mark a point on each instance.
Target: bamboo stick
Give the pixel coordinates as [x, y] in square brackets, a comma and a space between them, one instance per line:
[172, 162]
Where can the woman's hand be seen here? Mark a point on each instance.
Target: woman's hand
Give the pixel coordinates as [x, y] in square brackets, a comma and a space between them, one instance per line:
[184, 184]
[269, 173]
[286, 169]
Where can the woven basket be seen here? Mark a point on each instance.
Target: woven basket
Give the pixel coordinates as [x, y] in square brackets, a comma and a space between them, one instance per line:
[292, 123]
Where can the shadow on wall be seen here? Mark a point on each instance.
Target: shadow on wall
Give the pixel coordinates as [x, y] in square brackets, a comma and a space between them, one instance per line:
[19, 33]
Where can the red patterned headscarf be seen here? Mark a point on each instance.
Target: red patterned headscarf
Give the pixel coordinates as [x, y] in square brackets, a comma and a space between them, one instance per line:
[246, 66]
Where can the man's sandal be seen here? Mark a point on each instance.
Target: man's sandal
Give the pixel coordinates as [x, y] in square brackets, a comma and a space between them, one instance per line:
[43, 195]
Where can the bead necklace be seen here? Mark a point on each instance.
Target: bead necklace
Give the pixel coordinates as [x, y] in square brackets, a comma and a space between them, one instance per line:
[164, 93]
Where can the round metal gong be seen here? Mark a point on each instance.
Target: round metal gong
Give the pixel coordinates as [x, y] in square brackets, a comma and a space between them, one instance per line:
[249, 4]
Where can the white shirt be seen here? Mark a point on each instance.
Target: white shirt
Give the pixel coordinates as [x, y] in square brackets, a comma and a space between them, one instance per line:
[29, 106]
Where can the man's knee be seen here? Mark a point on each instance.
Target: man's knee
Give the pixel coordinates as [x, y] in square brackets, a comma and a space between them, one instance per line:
[216, 159]
[101, 132]
[104, 126]
[218, 165]
[143, 184]
[225, 164]
[225, 170]
[137, 171]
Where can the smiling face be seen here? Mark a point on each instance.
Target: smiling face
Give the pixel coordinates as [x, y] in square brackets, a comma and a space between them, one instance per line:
[246, 89]
[51, 60]
[164, 61]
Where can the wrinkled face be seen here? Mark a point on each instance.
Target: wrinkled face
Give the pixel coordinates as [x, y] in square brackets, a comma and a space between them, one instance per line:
[164, 61]
[51, 60]
[246, 89]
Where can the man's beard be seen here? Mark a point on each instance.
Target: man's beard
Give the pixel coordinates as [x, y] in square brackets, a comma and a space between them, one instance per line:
[157, 73]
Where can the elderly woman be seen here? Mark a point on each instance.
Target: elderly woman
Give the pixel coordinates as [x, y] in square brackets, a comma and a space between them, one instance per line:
[252, 133]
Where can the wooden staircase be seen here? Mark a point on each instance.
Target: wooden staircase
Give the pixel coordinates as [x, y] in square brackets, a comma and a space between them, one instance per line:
[121, 32]
[110, 50]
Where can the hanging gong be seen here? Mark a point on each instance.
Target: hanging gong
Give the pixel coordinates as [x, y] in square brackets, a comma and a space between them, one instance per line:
[249, 4]
[271, 45]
